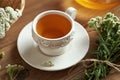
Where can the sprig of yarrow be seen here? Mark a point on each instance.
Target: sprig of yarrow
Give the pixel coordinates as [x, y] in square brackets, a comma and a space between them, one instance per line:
[108, 43]
[14, 70]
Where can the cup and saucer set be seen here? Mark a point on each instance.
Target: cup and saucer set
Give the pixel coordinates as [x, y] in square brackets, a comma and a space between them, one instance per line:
[50, 52]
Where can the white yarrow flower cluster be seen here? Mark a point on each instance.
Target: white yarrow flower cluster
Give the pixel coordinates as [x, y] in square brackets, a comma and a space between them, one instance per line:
[7, 16]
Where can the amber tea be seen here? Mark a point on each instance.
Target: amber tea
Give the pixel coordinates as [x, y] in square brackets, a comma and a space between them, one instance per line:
[53, 30]
[53, 26]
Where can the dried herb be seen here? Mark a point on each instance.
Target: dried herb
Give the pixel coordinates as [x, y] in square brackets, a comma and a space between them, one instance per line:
[108, 45]
[7, 17]
[48, 64]
[16, 72]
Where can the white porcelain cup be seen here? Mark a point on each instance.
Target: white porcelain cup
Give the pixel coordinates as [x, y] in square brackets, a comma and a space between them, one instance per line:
[54, 46]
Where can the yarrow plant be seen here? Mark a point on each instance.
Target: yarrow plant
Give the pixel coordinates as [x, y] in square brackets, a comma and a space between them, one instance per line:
[17, 72]
[108, 45]
[14, 70]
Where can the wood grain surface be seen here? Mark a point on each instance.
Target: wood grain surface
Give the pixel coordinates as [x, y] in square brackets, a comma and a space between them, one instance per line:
[9, 43]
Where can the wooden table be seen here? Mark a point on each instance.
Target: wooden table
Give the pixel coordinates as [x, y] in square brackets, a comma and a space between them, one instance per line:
[9, 45]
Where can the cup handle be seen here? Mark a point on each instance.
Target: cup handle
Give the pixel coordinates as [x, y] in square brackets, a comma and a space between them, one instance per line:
[72, 12]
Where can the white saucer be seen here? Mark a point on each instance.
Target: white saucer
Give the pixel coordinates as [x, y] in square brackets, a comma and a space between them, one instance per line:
[31, 54]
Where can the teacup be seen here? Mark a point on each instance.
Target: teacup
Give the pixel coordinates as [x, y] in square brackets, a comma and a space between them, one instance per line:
[52, 30]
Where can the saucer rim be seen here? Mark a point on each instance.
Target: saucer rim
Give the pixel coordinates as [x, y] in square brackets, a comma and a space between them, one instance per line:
[47, 69]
